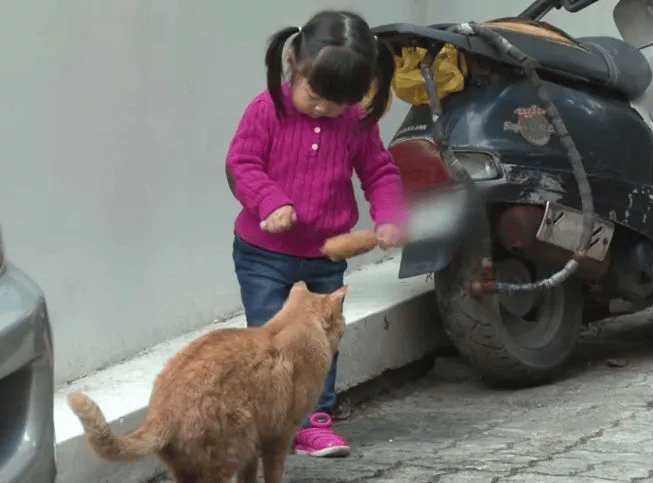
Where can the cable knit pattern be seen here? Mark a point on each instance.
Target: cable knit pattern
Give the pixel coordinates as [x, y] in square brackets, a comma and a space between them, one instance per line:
[309, 163]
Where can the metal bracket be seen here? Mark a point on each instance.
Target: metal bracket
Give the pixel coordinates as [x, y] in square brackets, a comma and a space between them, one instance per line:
[562, 226]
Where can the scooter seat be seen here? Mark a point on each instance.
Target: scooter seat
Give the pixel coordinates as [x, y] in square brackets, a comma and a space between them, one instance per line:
[627, 69]
[605, 61]
[602, 61]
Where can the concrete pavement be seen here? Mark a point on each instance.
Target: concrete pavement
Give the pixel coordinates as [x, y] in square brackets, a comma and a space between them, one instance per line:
[593, 425]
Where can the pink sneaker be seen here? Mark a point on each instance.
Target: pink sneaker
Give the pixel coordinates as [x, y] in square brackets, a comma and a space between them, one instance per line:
[319, 439]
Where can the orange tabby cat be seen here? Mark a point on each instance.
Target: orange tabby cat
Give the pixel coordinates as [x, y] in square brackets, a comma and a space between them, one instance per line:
[232, 395]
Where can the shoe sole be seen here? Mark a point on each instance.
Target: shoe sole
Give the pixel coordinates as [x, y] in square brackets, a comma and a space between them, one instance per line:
[331, 452]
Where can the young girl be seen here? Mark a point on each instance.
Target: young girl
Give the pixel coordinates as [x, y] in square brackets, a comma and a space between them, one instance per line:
[290, 165]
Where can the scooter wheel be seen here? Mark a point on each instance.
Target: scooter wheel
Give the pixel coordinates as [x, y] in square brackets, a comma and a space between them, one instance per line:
[509, 340]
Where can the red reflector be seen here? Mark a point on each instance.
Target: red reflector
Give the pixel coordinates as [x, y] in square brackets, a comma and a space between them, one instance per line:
[420, 165]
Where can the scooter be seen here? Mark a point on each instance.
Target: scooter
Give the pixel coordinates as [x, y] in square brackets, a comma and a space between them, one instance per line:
[540, 168]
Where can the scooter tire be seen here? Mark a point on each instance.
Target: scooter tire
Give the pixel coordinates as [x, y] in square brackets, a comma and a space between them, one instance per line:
[475, 325]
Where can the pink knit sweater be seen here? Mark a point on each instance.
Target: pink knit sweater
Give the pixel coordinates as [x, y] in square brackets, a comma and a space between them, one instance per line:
[308, 163]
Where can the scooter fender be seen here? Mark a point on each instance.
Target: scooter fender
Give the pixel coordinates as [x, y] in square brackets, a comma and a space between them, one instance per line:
[439, 225]
[426, 256]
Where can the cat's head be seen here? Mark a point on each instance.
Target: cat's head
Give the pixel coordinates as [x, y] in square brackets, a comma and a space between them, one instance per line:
[327, 307]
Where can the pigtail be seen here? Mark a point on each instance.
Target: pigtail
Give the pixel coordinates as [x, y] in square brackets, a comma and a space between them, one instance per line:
[385, 69]
[274, 65]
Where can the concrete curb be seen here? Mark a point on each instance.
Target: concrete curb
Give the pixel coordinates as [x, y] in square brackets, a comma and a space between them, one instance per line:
[390, 323]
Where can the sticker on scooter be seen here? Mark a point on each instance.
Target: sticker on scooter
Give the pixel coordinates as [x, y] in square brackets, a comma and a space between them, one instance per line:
[532, 124]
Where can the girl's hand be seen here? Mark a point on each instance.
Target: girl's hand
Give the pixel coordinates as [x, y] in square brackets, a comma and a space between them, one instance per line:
[388, 235]
[279, 220]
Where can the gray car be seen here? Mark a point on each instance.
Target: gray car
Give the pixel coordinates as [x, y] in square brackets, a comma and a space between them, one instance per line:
[26, 380]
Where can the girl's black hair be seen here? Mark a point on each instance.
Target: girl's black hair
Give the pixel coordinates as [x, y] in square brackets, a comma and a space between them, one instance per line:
[339, 56]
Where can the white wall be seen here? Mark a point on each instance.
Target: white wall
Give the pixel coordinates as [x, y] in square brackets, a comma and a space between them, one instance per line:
[114, 124]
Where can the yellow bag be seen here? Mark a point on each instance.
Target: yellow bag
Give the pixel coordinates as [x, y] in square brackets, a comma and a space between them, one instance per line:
[408, 84]
[449, 71]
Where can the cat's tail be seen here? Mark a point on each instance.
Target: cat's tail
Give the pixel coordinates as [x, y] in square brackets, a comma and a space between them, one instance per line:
[130, 447]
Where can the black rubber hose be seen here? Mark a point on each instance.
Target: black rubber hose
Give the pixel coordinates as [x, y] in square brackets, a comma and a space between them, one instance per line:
[587, 205]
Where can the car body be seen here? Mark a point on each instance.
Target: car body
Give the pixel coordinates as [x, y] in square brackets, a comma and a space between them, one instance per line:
[27, 452]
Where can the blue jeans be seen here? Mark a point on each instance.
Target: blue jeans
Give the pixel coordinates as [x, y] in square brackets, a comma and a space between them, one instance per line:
[265, 280]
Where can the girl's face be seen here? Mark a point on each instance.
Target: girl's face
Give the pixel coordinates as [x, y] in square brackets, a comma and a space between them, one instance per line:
[308, 102]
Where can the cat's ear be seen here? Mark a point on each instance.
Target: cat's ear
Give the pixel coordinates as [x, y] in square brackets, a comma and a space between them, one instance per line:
[338, 296]
[299, 287]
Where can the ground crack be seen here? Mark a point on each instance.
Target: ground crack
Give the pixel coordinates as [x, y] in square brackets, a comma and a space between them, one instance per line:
[646, 478]
[383, 471]
[455, 471]
[490, 427]
[594, 478]
[570, 447]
